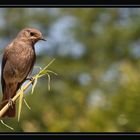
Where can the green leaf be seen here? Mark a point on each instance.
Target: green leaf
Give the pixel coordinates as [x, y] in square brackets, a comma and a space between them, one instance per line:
[20, 104]
[49, 81]
[34, 84]
[26, 104]
[7, 125]
[43, 72]
[52, 72]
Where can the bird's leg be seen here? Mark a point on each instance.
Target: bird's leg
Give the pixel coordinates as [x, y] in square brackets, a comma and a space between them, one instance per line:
[31, 79]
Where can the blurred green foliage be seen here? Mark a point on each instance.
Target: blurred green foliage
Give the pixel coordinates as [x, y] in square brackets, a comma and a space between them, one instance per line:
[97, 53]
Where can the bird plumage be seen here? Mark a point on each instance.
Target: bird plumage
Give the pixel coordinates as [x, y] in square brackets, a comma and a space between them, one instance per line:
[17, 62]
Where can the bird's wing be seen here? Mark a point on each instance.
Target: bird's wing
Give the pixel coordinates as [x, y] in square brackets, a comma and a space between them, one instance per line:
[29, 72]
[4, 59]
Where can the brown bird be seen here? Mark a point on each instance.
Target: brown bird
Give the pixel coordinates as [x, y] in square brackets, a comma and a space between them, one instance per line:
[17, 62]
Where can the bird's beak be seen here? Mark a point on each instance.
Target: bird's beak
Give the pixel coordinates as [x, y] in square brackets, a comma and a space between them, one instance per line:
[43, 39]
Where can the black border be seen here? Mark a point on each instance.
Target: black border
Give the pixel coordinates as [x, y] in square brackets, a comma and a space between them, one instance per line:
[70, 3]
[71, 136]
[74, 3]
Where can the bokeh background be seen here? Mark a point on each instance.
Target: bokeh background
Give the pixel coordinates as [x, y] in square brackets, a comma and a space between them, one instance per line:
[97, 52]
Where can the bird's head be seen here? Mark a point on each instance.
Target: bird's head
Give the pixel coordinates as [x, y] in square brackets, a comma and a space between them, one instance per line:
[31, 34]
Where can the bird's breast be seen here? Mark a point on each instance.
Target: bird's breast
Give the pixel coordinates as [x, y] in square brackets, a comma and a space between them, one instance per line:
[22, 61]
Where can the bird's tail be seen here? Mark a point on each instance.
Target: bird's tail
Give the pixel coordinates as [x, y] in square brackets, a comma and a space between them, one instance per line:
[11, 112]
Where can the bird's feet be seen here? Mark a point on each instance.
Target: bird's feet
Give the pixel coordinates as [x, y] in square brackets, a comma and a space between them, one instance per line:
[10, 103]
[31, 79]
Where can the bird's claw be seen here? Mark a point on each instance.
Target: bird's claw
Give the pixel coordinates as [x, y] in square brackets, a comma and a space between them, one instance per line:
[10, 103]
[31, 79]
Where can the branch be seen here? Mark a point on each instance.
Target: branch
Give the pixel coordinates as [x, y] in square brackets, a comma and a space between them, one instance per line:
[40, 74]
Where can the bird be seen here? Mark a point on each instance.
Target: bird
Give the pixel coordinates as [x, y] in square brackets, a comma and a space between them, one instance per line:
[17, 63]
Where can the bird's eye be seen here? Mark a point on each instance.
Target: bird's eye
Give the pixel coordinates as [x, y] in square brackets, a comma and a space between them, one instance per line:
[32, 34]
